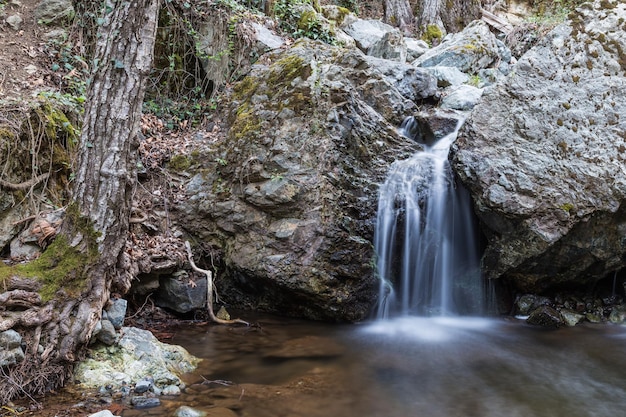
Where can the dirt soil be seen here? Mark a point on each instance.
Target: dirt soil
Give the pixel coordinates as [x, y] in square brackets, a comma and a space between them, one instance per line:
[25, 64]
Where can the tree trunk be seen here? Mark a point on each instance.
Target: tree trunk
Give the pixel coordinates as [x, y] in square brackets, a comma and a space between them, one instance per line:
[449, 16]
[96, 221]
[398, 13]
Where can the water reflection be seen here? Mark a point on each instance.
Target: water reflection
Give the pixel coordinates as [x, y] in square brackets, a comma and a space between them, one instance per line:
[436, 367]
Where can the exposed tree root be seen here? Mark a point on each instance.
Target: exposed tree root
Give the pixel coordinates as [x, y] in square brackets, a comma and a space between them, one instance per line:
[22, 186]
[209, 290]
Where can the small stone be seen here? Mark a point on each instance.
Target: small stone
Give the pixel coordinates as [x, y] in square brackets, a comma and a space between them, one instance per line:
[116, 312]
[103, 413]
[185, 411]
[171, 390]
[145, 402]
[31, 69]
[15, 21]
[143, 386]
[570, 317]
[107, 334]
[10, 339]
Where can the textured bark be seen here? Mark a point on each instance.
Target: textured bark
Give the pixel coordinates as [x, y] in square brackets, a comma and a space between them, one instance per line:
[451, 16]
[104, 184]
[398, 13]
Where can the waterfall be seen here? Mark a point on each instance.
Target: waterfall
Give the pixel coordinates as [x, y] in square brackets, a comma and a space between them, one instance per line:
[425, 238]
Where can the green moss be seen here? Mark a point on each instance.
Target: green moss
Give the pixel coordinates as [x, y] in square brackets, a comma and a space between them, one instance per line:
[245, 88]
[59, 267]
[287, 69]
[246, 123]
[432, 34]
[569, 207]
[179, 163]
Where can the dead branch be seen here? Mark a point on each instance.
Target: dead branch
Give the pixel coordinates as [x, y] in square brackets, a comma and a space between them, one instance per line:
[209, 290]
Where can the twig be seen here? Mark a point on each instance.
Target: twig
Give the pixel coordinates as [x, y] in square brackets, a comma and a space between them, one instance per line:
[209, 290]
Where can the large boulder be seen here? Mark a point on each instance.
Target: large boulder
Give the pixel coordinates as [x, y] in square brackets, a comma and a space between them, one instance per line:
[544, 156]
[290, 197]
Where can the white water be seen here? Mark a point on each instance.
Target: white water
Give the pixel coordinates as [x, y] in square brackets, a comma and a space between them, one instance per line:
[425, 240]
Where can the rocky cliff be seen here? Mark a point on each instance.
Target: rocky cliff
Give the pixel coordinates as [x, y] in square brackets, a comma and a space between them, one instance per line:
[544, 156]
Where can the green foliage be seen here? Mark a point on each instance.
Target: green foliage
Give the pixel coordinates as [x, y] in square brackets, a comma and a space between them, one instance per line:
[474, 81]
[302, 22]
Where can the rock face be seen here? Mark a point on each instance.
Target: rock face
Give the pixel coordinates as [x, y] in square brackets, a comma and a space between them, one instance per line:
[544, 156]
[291, 196]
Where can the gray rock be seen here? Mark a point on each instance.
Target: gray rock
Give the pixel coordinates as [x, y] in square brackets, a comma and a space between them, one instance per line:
[171, 390]
[185, 411]
[461, 97]
[294, 203]
[266, 37]
[447, 76]
[11, 352]
[137, 354]
[366, 32]
[543, 156]
[529, 302]
[15, 21]
[50, 12]
[415, 48]
[390, 46]
[145, 402]
[571, 318]
[181, 294]
[107, 333]
[10, 339]
[116, 312]
[471, 50]
[142, 386]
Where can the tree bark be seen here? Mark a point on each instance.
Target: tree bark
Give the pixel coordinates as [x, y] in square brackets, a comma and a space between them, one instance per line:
[96, 222]
[449, 16]
[398, 13]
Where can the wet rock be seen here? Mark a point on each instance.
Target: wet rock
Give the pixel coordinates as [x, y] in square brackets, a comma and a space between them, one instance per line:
[427, 127]
[545, 316]
[142, 386]
[618, 314]
[180, 293]
[172, 390]
[185, 411]
[471, 50]
[145, 402]
[103, 413]
[50, 12]
[116, 312]
[571, 318]
[529, 302]
[11, 352]
[543, 155]
[137, 354]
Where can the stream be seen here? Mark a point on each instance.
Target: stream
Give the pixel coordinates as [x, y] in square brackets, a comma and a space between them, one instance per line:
[434, 367]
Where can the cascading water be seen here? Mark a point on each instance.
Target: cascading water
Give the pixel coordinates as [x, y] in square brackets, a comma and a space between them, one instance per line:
[425, 238]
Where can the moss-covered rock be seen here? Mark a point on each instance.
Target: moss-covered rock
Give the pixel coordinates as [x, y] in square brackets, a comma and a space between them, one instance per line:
[291, 195]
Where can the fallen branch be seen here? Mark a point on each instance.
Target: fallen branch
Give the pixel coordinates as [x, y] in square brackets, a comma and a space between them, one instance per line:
[209, 290]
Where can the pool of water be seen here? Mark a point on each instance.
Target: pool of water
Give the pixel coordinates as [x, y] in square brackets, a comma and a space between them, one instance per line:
[439, 367]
